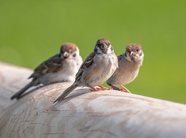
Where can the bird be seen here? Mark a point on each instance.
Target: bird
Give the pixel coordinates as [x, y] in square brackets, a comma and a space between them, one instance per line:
[96, 69]
[129, 65]
[61, 67]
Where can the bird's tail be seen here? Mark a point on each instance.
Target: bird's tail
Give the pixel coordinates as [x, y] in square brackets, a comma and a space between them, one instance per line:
[65, 93]
[20, 92]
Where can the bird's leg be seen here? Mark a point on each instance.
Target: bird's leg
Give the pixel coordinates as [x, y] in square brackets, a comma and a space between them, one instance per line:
[103, 88]
[124, 89]
[116, 88]
[113, 87]
[97, 88]
[92, 88]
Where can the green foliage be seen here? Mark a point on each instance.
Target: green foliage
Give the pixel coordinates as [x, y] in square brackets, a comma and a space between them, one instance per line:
[32, 31]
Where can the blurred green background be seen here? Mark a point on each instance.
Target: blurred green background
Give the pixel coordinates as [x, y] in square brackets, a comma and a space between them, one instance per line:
[32, 31]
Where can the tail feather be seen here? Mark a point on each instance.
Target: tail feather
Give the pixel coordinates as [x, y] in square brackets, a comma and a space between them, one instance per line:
[65, 93]
[20, 92]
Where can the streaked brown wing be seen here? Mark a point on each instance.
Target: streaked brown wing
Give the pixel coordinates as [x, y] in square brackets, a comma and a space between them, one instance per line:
[53, 64]
[87, 63]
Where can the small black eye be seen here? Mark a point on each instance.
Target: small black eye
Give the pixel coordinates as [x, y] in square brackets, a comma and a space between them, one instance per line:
[137, 49]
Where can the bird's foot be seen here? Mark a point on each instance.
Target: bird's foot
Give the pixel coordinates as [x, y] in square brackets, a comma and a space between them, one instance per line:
[123, 89]
[99, 88]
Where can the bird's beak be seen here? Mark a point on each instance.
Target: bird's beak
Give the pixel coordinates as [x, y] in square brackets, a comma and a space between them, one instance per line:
[132, 53]
[65, 54]
[104, 46]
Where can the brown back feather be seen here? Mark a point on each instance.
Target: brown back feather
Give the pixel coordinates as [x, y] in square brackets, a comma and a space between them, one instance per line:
[52, 65]
[87, 63]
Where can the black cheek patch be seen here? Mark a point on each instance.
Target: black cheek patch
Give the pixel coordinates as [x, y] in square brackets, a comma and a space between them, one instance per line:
[112, 48]
[125, 54]
[59, 54]
[74, 55]
[95, 50]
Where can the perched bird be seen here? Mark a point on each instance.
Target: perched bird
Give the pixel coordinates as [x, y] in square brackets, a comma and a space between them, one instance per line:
[129, 64]
[96, 69]
[61, 67]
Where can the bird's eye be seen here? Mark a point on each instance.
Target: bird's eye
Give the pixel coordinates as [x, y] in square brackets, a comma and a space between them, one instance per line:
[137, 49]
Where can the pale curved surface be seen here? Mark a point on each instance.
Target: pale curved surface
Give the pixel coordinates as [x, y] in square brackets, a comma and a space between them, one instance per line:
[12, 78]
[92, 114]
[106, 114]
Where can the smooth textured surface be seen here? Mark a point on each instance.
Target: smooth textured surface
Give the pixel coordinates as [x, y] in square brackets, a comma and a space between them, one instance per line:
[105, 114]
[12, 78]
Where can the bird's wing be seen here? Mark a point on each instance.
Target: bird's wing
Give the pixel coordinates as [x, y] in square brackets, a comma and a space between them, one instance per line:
[87, 63]
[52, 65]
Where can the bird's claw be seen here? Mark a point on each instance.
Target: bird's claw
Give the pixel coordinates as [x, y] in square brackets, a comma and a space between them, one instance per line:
[124, 90]
[99, 88]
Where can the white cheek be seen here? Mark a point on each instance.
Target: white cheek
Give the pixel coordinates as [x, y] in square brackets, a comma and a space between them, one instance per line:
[141, 57]
[109, 50]
[76, 53]
[128, 58]
[98, 50]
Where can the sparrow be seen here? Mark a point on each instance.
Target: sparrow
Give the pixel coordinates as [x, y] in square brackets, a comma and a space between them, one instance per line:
[96, 69]
[129, 64]
[61, 67]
